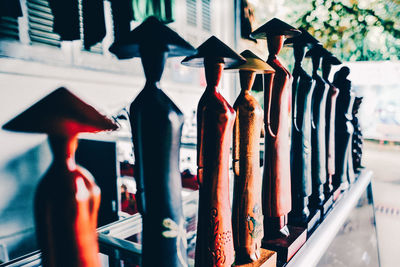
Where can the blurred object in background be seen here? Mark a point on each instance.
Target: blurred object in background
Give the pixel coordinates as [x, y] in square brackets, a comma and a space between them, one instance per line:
[356, 30]
[357, 141]
[128, 201]
[189, 180]
[379, 85]
[247, 19]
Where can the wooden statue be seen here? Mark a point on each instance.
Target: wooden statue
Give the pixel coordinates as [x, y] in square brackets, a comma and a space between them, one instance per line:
[343, 128]
[318, 146]
[300, 154]
[276, 188]
[276, 178]
[215, 119]
[357, 136]
[156, 124]
[327, 61]
[246, 211]
[67, 198]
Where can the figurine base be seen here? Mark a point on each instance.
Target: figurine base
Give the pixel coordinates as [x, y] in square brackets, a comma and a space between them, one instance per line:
[326, 207]
[286, 247]
[267, 259]
[336, 194]
[312, 221]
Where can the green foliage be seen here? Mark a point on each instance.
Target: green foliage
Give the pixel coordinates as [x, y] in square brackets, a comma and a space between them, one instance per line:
[354, 30]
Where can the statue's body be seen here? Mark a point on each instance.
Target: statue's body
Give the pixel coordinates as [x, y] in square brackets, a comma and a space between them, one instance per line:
[301, 137]
[156, 124]
[215, 119]
[247, 216]
[67, 198]
[343, 128]
[318, 145]
[333, 92]
[276, 177]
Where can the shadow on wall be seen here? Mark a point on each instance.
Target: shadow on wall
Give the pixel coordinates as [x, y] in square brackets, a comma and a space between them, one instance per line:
[18, 180]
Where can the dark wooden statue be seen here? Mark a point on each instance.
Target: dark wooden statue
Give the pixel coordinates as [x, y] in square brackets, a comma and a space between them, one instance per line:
[318, 146]
[276, 188]
[327, 61]
[343, 128]
[276, 178]
[357, 136]
[67, 198]
[156, 124]
[246, 210]
[215, 119]
[300, 154]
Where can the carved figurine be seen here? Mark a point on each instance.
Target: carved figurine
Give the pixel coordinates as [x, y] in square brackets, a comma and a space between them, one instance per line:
[301, 131]
[318, 146]
[67, 198]
[327, 61]
[357, 136]
[246, 210]
[276, 191]
[215, 119]
[156, 124]
[343, 129]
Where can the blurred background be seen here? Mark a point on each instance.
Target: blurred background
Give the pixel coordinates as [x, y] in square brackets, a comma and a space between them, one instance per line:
[34, 60]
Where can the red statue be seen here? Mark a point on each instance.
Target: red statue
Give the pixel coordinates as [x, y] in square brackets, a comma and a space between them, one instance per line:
[276, 178]
[67, 198]
[215, 119]
[247, 217]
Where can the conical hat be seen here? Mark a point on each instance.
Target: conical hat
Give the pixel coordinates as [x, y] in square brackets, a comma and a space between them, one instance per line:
[214, 48]
[60, 113]
[275, 27]
[253, 63]
[154, 35]
[304, 38]
[331, 58]
[317, 50]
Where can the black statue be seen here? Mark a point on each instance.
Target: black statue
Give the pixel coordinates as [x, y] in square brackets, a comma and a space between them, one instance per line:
[318, 146]
[300, 152]
[343, 129]
[156, 131]
[357, 136]
[327, 61]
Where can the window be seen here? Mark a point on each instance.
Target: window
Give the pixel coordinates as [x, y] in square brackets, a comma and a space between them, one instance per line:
[191, 12]
[40, 20]
[206, 15]
[9, 28]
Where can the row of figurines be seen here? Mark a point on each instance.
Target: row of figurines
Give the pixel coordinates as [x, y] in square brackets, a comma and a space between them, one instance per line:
[66, 219]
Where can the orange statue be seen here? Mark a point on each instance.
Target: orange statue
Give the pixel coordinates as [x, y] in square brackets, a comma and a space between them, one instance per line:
[215, 119]
[67, 198]
[246, 211]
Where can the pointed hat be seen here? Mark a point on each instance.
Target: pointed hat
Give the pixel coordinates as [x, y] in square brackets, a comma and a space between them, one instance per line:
[275, 27]
[331, 58]
[60, 113]
[214, 48]
[155, 35]
[317, 50]
[253, 63]
[304, 38]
